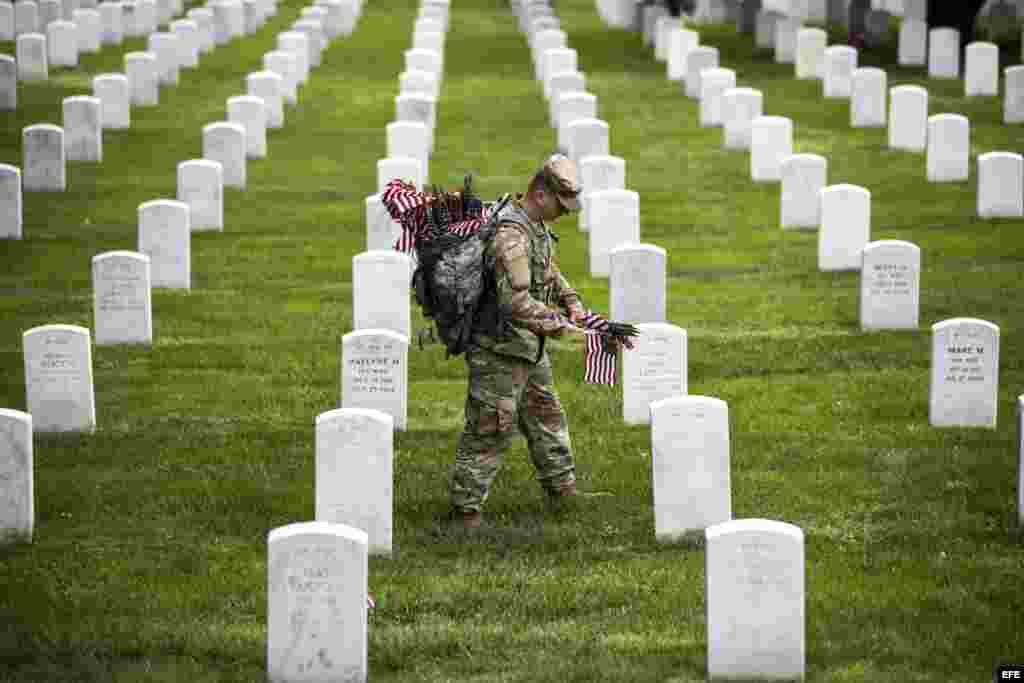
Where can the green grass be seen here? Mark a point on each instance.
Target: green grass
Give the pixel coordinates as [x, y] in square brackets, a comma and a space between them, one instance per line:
[149, 559]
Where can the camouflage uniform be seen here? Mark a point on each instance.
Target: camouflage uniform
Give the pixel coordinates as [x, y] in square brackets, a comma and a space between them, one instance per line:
[510, 382]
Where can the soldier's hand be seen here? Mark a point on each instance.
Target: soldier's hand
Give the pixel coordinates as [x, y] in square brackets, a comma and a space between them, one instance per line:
[623, 330]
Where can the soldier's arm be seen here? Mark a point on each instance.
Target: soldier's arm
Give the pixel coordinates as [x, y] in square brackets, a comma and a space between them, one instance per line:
[568, 297]
[512, 276]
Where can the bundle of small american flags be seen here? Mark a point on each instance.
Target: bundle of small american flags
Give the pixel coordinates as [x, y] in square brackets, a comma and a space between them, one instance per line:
[409, 208]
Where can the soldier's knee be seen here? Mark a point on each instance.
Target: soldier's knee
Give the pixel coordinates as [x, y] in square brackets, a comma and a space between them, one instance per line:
[499, 418]
[545, 406]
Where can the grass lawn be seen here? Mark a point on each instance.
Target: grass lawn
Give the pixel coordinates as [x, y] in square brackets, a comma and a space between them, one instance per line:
[149, 558]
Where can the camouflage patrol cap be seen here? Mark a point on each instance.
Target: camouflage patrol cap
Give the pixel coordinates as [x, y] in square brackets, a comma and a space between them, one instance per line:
[560, 177]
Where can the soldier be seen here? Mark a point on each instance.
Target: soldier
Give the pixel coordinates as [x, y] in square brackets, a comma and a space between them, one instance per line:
[510, 381]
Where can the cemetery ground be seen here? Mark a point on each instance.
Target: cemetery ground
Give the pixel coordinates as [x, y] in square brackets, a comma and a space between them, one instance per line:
[149, 556]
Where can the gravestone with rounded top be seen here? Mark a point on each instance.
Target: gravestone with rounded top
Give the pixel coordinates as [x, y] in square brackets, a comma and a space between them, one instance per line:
[381, 231]
[143, 78]
[317, 576]
[374, 372]
[58, 378]
[700, 58]
[890, 283]
[549, 39]
[165, 47]
[655, 369]
[10, 202]
[285, 65]
[948, 148]
[771, 141]
[30, 51]
[312, 30]
[122, 299]
[908, 118]
[204, 20]
[562, 83]
[755, 600]
[89, 28]
[409, 169]
[164, 238]
[845, 226]
[409, 139]
[224, 142]
[62, 43]
[422, 82]
[17, 501]
[43, 167]
[810, 52]
[266, 85]
[965, 373]
[354, 473]
[201, 188]
[418, 108]
[556, 61]
[803, 178]
[114, 93]
[637, 284]
[587, 137]
[868, 98]
[187, 33]
[296, 43]
[689, 465]
[1013, 98]
[26, 17]
[913, 43]
[713, 84]
[8, 83]
[380, 291]
[111, 23]
[740, 106]
[786, 30]
[943, 53]
[840, 63]
[572, 106]
[1000, 185]
[83, 130]
[981, 69]
[680, 42]
[598, 172]
[613, 218]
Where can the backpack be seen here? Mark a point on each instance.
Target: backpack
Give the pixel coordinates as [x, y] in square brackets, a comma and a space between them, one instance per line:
[452, 277]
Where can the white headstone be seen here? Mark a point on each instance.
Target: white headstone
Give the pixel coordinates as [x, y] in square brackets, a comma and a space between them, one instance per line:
[423, 60]
[165, 47]
[810, 52]
[8, 83]
[908, 118]
[58, 378]
[114, 93]
[83, 130]
[111, 23]
[143, 78]
[542, 42]
[556, 61]
[62, 43]
[689, 465]
[187, 32]
[313, 32]
[374, 372]
[380, 291]
[204, 20]
[981, 69]
[699, 58]
[122, 300]
[201, 187]
[225, 142]
[680, 42]
[613, 218]
[421, 82]
[88, 23]
[42, 148]
[26, 17]
[845, 226]
[713, 84]
[164, 238]
[637, 283]
[381, 230]
[316, 603]
[298, 44]
[965, 373]
[755, 600]
[598, 172]
[653, 370]
[1000, 185]
[409, 139]
[418, 108]
[868, 98]
[236, 18]
[335, 21]
[10, 202]
[840, 62]
[266, 85]
[429, 40]
[587, 137]
[740, 106]
[786, 30]
[30, 51]
[913, 43]
[17, 499]
[949, 137]
[1013, 99]
[7, 31]
[409, 169]
[572, 106]
[890, 283]
[221, 26]
[354, 473]
[561, 83]
[943, 53]
[285, 65]
[771, 141]
[803, 178]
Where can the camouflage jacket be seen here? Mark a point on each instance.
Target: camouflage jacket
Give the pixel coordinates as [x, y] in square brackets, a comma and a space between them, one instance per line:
[527, 284]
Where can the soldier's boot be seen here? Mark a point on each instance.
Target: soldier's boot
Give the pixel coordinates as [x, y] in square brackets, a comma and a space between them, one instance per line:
[563, 497]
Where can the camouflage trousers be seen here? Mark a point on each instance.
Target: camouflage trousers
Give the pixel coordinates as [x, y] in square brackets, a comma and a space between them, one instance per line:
[504, 394]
